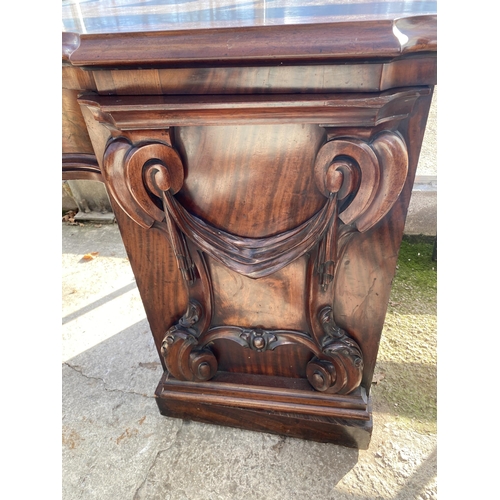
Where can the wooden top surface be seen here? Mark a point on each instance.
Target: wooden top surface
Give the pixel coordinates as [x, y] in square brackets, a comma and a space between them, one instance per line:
[120, 16]
[156, 33]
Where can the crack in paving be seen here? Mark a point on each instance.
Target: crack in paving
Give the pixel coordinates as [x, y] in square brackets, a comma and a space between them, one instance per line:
[84, 479]
[89, 377]
[137, 494]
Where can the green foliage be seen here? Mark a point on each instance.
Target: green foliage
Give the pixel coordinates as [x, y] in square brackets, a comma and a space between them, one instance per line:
[407, 360]
[415, 283]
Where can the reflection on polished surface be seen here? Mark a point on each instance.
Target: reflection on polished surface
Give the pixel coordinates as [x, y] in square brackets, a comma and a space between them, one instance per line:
[112, 16]
[259, 158]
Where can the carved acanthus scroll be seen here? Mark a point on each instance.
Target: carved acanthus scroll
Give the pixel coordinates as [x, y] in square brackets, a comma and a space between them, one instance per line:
[185, 359]
[340, 368]
[336, 366]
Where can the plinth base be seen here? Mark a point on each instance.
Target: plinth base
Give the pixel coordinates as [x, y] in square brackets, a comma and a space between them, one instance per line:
[277, 405]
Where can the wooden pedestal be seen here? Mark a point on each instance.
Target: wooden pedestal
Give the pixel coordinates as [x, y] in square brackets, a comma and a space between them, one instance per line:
[278, 405]
[262, 206]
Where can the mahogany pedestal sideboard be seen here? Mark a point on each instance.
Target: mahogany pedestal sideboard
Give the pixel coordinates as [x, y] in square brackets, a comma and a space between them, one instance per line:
[260, 173]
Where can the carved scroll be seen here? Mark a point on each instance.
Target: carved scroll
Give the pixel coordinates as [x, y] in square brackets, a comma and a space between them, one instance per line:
[367, 179]
[134, 173]
[340, 368]
[184, 358]
[360, 180]
[371, 174]
[336, 367]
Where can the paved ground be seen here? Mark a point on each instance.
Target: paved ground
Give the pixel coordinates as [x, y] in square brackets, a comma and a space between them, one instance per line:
[117, 446]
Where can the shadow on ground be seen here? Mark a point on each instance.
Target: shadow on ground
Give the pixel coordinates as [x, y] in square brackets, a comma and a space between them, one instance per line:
[117, 445]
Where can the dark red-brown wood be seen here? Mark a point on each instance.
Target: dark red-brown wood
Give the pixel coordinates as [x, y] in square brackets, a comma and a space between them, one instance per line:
[316, 43]
[260, 177]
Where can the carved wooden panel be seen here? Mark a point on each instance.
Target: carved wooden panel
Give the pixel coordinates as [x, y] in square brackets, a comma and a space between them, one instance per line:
[262, 218]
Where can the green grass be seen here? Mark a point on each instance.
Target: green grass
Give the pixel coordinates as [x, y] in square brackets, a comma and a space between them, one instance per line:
[407, 357]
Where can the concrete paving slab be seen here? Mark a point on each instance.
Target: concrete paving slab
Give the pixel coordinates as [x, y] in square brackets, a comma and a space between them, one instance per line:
[116, 445]
[422, 214]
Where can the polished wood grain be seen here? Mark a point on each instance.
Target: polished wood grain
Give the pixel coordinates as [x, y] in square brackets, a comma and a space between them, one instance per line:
[154, 112]
[349, 427]
[260, 174]
[279, 79]
[80, 167]
[286, 44]
[75, 138]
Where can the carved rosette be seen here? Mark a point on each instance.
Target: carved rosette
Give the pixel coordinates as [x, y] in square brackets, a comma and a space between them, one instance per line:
[259, 340]
[360, 180]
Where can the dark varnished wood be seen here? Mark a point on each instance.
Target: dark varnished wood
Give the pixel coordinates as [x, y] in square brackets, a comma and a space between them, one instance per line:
[303, 79]
[75, 138]
[260, 176]
[153, 112]
[295, 411]
[317, 43]
[80, 166]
